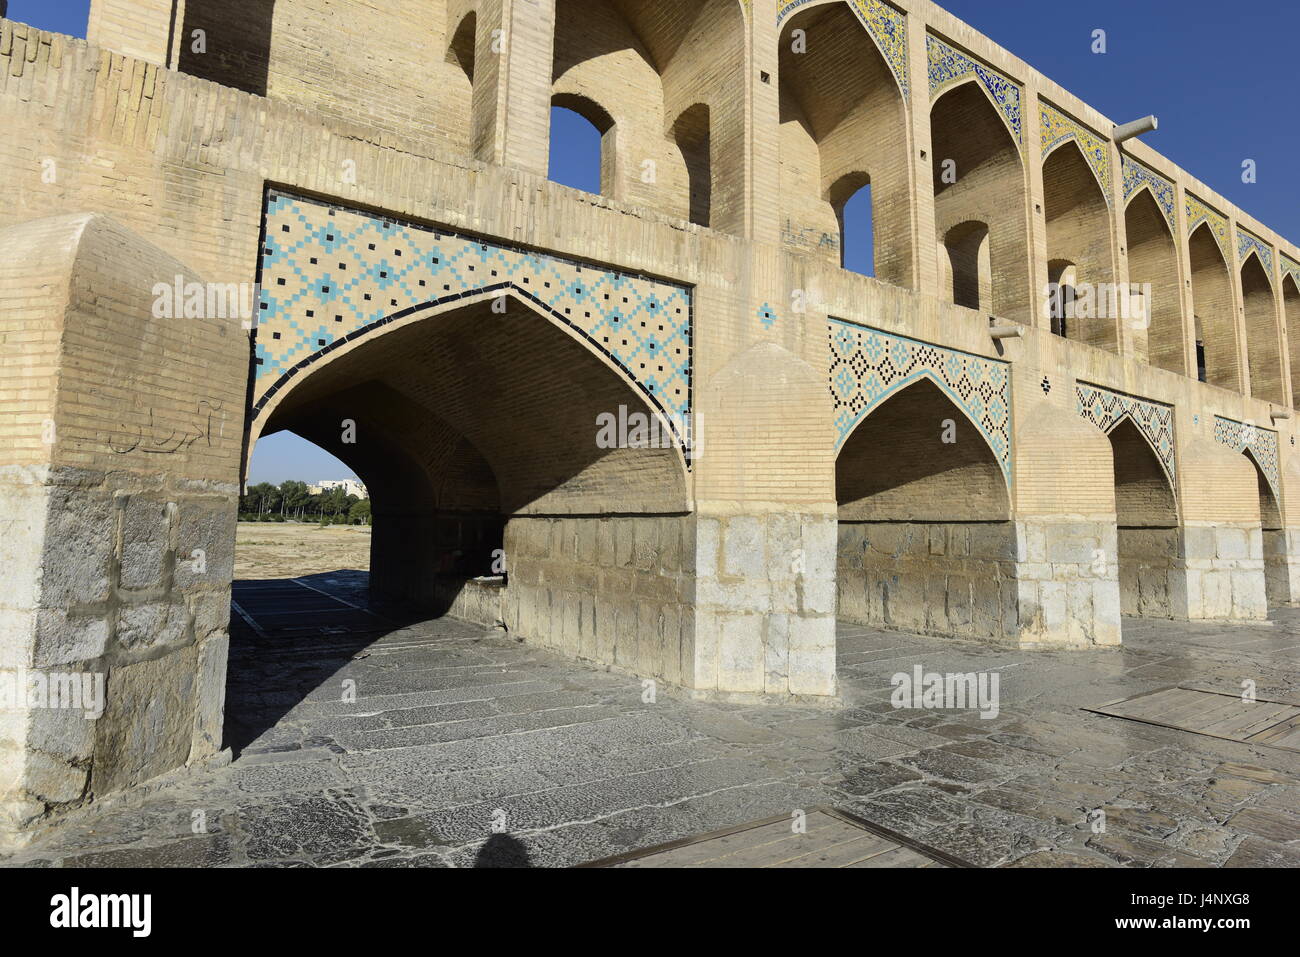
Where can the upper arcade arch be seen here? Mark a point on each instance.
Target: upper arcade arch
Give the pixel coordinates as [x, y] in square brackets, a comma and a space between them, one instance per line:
[1263, 350]
[844, 124]
[1078, 220]
[1153, 258]
[1212, 298]
[979, 176]
[645, 66]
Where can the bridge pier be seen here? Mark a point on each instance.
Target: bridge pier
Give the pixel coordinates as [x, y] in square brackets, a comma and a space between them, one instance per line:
[117, 496]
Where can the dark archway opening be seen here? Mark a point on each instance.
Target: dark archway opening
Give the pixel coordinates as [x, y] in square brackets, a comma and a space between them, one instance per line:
[925, 537]
[1146, 517]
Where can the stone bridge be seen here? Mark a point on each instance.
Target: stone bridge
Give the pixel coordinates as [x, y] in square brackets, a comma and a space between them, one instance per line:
[939, 449]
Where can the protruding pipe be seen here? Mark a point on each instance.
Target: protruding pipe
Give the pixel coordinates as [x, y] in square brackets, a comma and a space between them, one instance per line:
[1007, 332]
[1129, 130]
[1279, 415]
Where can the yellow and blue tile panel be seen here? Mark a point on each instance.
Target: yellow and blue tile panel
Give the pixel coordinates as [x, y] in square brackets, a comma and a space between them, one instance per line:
[1246, 244]
[330, 275]
[949, 66]
[1058, 129]
[1137, 176]
[886, 25]
[868, 366]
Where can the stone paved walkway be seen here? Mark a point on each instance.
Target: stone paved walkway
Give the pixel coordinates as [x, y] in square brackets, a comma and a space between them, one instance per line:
[458, 733]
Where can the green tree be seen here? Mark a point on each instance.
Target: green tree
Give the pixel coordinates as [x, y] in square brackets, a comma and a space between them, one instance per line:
[359, 513]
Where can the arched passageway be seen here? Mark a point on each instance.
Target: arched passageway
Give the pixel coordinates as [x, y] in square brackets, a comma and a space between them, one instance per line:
[662, 83]
[1216, 329]
[1263, 352]
[1277, 577]
[1078, 232]
[925, 538]
[1153, 260]
[582, 151]
[478, 434]
[979, 177]
[964, 261]
[843, 126]
[1146, 516]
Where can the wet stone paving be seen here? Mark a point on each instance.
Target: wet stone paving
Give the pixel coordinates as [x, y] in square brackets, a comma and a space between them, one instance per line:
[466, 748]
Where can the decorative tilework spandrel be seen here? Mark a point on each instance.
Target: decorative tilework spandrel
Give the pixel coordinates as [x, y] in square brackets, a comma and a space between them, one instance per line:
[1262, 443]
[1246, 244]
[1057, 128]
[868, 366]
[1198, 212]
[886, 25]
[1291, 268]
[1106, 409]
[330, 275]
[1137, 176]
[948, 66]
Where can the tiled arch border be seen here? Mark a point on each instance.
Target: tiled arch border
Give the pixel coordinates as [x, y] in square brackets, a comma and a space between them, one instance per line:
[886, 25]
[1106, 409]
[1240, 436]
[869, 366]
[273, 314]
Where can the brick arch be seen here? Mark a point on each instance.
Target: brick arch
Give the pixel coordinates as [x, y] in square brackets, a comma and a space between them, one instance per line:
[843, 112]
[266, 409]
[332, 277]
[869, 366]
[925, 533]
[1291, 317]
[1213, 310]
[1076, 210]
[646, 64]
[968, 129]
[1263, 353]
[1153, 258]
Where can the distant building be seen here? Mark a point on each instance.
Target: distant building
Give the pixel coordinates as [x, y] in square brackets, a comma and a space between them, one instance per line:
[351, 486]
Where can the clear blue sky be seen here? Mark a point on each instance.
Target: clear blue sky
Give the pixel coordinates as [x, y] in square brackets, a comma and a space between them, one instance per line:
[1220, 77]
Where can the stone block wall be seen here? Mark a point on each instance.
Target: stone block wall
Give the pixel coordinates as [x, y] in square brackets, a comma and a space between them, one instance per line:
[1068, 592]
[1222, 573]
[614, 590]
[1147, 562]
[950, 579]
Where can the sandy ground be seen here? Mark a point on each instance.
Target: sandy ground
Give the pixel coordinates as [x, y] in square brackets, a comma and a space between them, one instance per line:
[274, 550]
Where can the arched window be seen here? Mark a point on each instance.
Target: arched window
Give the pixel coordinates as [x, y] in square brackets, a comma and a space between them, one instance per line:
[967, 247]
[851, 199]
[582, 152]
[691, 134]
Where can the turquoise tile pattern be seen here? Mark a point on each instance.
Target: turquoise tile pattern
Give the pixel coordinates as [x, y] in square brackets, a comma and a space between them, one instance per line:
[329, 275]
[1262, 443]
[1107, 409]
[867, 366]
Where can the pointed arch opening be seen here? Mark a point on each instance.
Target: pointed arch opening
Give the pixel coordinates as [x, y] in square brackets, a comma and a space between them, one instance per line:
[1291, 313]
[1277, 576]
[843, 126]
[1079, 230]
[925, 536]
[1146, 519]
[979, 176]
[1263, 351]
[1063, 281]
[691, 134]
[967, 266]
[583, 151]
[850, 197]
[1153, 261]
[1216, 331]
[493, 477]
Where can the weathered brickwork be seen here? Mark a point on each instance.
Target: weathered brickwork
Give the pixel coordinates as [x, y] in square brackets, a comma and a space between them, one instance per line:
[860, 447]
